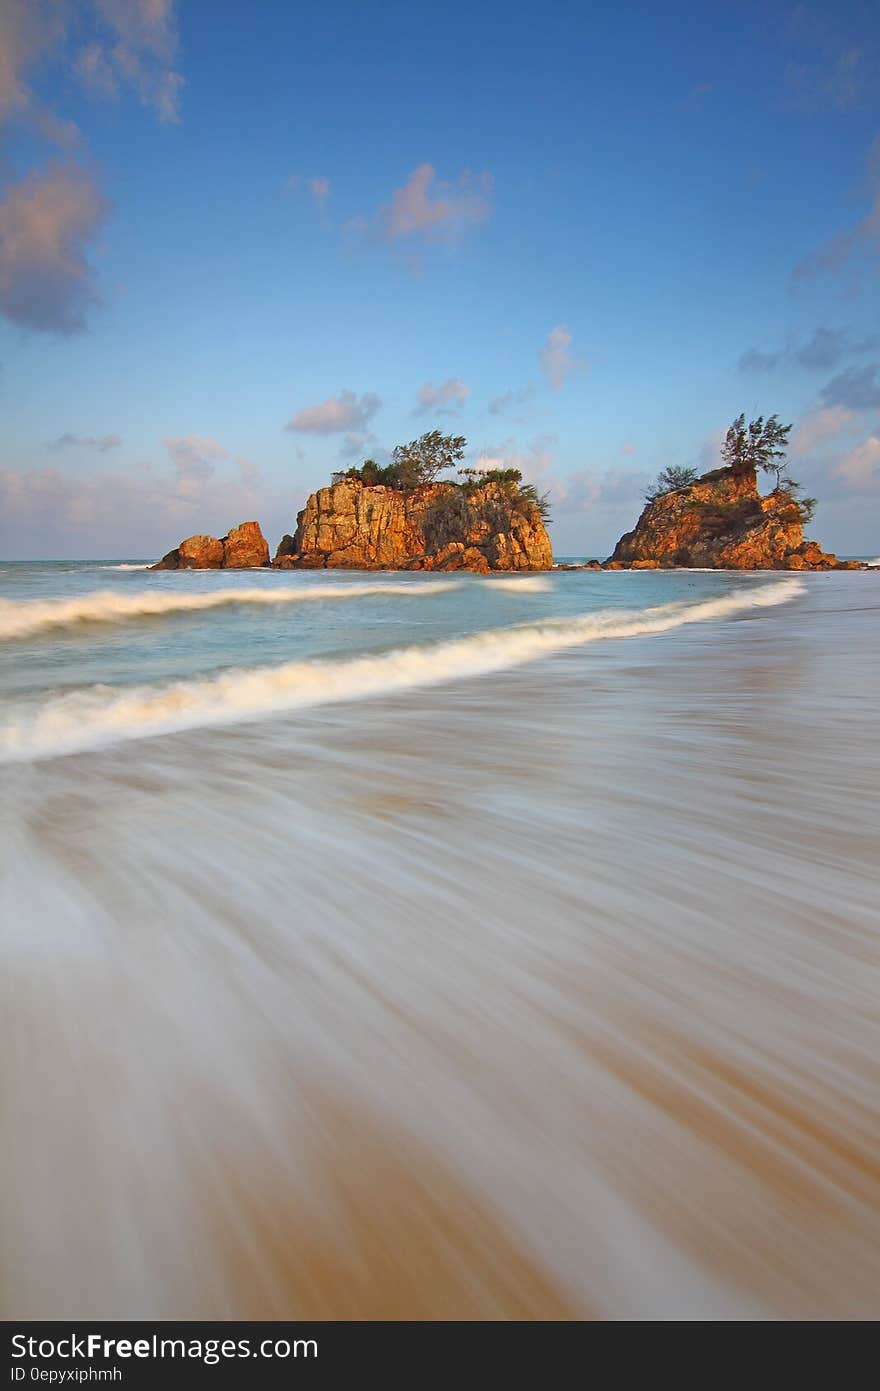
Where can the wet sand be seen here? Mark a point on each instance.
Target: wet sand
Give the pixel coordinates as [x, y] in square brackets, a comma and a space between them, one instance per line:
[548, 994]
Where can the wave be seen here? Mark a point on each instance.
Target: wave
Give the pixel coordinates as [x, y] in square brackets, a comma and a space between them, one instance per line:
[32, 616]
[101, 715]
[127, 565]
[520, 584]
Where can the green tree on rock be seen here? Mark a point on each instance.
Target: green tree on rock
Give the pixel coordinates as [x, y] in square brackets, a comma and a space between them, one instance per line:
[676, 476]
[419, 462]
[760, 445]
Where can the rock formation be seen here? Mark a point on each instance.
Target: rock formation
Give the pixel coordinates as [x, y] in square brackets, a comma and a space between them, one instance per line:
[722, 522]
[245, 548]
[441, 526]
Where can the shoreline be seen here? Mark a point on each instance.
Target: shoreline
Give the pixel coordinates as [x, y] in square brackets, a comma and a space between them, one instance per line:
[566, 973]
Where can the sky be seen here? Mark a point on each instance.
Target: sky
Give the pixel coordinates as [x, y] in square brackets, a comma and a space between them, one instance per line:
[243, 246]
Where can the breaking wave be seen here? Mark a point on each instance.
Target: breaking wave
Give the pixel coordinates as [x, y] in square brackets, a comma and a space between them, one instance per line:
[32, 616]
[101, 715]
[520, 584]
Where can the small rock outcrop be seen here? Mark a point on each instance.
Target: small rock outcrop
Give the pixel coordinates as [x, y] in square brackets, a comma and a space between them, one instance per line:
[244, 548]
[440, 526]
[722, 522]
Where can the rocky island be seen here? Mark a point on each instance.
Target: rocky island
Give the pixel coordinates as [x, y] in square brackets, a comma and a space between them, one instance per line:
[403, 516]
[721, 521]
[243, 548]
[397, 517]
[440, 526]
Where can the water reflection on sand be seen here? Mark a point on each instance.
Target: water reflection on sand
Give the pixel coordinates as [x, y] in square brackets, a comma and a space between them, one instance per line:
[550, 994]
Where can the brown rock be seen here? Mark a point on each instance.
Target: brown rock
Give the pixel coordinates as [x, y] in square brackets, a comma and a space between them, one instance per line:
[245, 548]
[200, 553]
[286, 549]
[350, 526]
[811, 552]
[720, 522]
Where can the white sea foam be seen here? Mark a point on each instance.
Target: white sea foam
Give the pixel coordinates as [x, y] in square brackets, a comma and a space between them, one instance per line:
[126, 565]
[520, 584]
[33, 616]
[100, 715]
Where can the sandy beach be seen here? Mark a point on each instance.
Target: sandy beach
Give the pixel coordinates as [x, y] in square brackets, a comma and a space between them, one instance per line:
[544, 994]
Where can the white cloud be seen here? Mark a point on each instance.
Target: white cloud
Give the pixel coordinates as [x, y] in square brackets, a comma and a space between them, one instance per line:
[445, 399]
[860, 467]
[46, 224]
[141, 512]
[194, 457]
[354, 443]
[817, 428]
[585, 489]
[344, 412]
[556, 360]
[534, 463]
[836, 454]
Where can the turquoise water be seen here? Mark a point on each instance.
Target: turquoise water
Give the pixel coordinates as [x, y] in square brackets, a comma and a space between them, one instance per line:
[388, 946]
[75, 634]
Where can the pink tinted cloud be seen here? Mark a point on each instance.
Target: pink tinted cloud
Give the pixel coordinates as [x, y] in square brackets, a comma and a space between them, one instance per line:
[859, 468]
[820, 427]
[29, 31]
[47, 223]
[426, 208]
[137, 49]
[142, 511]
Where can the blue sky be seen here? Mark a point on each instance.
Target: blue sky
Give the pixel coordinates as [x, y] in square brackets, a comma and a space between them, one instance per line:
[242, 245]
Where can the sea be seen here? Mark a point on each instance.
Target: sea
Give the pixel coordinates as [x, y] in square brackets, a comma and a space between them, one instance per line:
[439, 946]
